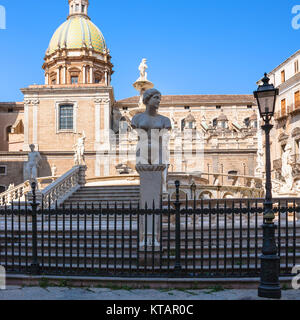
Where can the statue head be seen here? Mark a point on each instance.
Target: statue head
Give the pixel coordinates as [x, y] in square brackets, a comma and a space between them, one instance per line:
[152, 98]
[32, 147]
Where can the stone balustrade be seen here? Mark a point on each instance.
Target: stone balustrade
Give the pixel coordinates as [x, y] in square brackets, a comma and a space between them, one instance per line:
[216, 186]
[19, 193]
[60, 190]
[14, 194]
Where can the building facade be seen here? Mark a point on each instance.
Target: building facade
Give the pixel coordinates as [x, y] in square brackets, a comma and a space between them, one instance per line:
[286, 133]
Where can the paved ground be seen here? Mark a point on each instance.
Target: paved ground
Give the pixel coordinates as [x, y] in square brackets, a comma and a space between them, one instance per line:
[62, 293]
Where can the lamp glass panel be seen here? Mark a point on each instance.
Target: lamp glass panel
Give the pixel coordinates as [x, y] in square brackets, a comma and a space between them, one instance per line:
[266, 101]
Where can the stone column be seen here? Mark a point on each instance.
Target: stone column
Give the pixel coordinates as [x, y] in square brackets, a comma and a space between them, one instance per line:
[106, 78]
[91, 75]
[64, 75]
[35, 108]
[26, 125]
[84, 74]
[97, 102]
[151, 188]
[58, 76]
[46, 79]
[106, 107]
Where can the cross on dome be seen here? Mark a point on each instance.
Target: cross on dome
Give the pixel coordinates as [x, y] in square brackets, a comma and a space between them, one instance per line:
[79, 7]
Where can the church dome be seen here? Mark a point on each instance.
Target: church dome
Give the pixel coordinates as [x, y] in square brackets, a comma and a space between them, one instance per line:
[76, 33]
[77, 52]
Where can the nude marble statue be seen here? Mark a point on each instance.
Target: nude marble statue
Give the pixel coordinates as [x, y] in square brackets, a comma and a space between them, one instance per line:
[153, 130]
[32, 165]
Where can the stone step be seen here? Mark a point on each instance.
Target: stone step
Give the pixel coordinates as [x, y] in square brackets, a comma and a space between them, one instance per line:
[88, 256]
[110, 195]
[111, 268]
[104, 245]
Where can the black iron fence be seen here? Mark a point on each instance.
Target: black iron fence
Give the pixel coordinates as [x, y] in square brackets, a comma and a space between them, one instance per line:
[208, 238]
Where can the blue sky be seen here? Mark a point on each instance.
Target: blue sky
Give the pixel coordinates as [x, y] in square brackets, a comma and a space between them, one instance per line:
[192, 46]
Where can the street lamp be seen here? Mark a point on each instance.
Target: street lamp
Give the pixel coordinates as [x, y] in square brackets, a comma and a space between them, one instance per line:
[270, 261]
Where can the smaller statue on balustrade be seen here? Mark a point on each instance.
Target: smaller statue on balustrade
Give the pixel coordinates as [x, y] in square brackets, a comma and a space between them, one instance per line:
[54, 170]
[287, 169]
[31, 167]
[260, 164]
[79, 149]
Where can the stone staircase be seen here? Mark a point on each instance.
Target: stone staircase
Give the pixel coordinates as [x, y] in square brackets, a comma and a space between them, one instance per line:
[106, 195]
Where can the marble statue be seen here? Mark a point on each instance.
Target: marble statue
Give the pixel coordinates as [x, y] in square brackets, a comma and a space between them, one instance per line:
[142, 68]
[152, 126]
[260, 164]
[31, 167]
[53, 170]
[287, 170]
[79, 149]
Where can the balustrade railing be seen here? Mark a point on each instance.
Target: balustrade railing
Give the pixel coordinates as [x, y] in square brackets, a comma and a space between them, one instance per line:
[57, 192]
[19, 193]
[14, 194]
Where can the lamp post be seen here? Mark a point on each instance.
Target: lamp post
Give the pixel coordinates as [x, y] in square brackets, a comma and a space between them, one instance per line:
[270, 261]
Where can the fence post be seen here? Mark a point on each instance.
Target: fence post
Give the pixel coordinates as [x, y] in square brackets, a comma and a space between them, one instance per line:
[35, 268]
[177, 230]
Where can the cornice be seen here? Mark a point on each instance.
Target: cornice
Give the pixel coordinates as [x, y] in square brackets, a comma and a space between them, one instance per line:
[61, 89]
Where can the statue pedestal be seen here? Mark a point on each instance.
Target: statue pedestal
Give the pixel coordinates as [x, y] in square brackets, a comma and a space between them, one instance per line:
[141, 86]
[151, 177]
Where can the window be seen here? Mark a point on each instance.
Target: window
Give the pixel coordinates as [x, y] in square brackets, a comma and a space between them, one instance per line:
[218, 107]
[8, 131]
[97, 80]
[249, 106]
[83, 8]
[247, 122]
[10, 110]
[3, 170]
[182, 124]
[74, 80]
[66, 117]
[2, 189]
[53, 81]
[187, 108]
[296, 65]
[297, 99]
[283, 107]
[191, 125]
[282, 76]
[125, 108]
[215, 121]
[77, 8]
